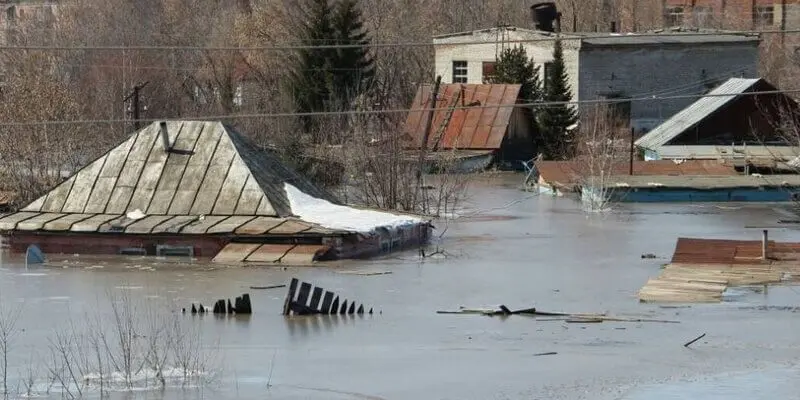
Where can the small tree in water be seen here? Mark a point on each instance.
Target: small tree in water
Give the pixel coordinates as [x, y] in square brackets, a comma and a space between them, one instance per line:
[554, 119]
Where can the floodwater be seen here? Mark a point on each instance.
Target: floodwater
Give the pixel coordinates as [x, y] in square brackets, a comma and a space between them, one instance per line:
[510, 247]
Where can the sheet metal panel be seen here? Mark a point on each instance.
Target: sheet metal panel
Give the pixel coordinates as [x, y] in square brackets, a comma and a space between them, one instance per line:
[36, 223]
[235, 252]
[93, 224]
[259, 226]
[146, 224]
[229, 225]
[65, 223]
[9, 222]
[269, 253]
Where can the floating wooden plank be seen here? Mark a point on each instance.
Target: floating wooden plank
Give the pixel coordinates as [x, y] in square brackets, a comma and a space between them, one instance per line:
[146, 225]
[65, 223]
[229, 225]
[259, 226]
[200, 227]
[269, 253]
[174, 224]
[235, 252]
[9, 222]
[93, 224]
[36, 223]
[297, 301]
[289, 227]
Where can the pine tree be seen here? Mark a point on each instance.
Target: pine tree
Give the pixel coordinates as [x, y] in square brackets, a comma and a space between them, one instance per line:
[353, 66]
[514, 67]
[311, 80]
[555, 119]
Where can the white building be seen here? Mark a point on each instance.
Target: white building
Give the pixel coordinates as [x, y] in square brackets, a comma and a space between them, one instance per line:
[626, 66]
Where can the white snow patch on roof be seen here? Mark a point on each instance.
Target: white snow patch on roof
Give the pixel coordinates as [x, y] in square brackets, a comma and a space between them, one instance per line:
[334, 216]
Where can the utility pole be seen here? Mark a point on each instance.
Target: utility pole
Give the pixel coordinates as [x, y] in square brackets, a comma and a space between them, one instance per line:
[135, 109]
[630, 167]
[426, 135]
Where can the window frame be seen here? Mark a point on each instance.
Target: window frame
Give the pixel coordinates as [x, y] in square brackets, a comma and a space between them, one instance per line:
[675, 16]
[764, 16]
[489, 65]
[460, 71]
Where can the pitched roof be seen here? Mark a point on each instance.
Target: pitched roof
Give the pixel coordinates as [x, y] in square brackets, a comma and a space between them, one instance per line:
[210, 170]
[696, 112]
[481, 127]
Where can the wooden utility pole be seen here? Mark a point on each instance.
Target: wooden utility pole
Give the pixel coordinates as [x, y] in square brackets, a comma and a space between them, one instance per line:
[631, 152]
[135, 108]
[426, 135]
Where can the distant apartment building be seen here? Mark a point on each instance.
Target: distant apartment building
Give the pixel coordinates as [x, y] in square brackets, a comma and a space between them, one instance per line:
[733, 14]
[13, 13]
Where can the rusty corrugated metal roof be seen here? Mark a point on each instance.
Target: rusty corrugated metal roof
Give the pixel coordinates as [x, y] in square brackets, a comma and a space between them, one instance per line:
[566, 174]
[715, 251]
[480, 127]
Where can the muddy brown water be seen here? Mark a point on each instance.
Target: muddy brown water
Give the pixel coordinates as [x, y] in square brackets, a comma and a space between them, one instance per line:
[538, 251]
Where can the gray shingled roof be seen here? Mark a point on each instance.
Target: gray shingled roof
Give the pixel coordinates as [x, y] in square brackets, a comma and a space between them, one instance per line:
[695, 112]
[212, 170]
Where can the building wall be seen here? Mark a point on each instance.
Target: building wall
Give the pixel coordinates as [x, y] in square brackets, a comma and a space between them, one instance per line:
[635, 72]
[476, 54]
[737, 14]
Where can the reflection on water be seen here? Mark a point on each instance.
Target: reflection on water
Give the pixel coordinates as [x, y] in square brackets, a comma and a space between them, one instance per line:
[759, 385]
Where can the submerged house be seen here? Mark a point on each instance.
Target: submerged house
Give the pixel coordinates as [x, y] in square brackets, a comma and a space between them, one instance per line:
[560, 177]
[730, 125]
[200, 189]
[703, 188]
[474, 124]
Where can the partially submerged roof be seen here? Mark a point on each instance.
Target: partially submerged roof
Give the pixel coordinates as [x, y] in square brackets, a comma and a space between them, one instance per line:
[191, 177]
[700, 182]
[714, 251]
[738, 153]
[208, 169]
[567, 174]
[692, 115]
[479, 120]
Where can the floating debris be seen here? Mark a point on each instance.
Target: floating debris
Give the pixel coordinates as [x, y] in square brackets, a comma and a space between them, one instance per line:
[300, 304]
[567, 317]
[363, 273]
[267, 287]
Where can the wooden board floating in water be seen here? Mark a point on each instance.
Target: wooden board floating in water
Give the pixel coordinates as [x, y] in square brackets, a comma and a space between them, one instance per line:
[302, 298]
[568, 317]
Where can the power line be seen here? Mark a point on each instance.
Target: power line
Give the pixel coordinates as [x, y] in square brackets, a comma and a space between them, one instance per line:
[564, 37]
[398, 111]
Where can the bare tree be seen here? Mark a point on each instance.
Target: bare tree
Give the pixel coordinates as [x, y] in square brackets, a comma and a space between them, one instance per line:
[600, 154]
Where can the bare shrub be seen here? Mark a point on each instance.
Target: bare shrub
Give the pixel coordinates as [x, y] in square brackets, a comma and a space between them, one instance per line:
[9, 317]
[601, 152]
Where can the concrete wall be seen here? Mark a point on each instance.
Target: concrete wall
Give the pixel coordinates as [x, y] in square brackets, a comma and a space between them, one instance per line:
[662, 71]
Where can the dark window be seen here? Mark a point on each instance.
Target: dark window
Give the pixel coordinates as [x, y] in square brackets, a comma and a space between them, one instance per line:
[674, 16]
[764, 16]
[459, 72]
[488, 71]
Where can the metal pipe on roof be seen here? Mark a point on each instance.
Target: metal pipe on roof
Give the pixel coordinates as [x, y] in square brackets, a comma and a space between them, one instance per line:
[764, 242]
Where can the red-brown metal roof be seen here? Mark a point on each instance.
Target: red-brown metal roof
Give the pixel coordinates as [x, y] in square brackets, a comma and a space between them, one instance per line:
[479, 127]
[713, 251]
[566, 174]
